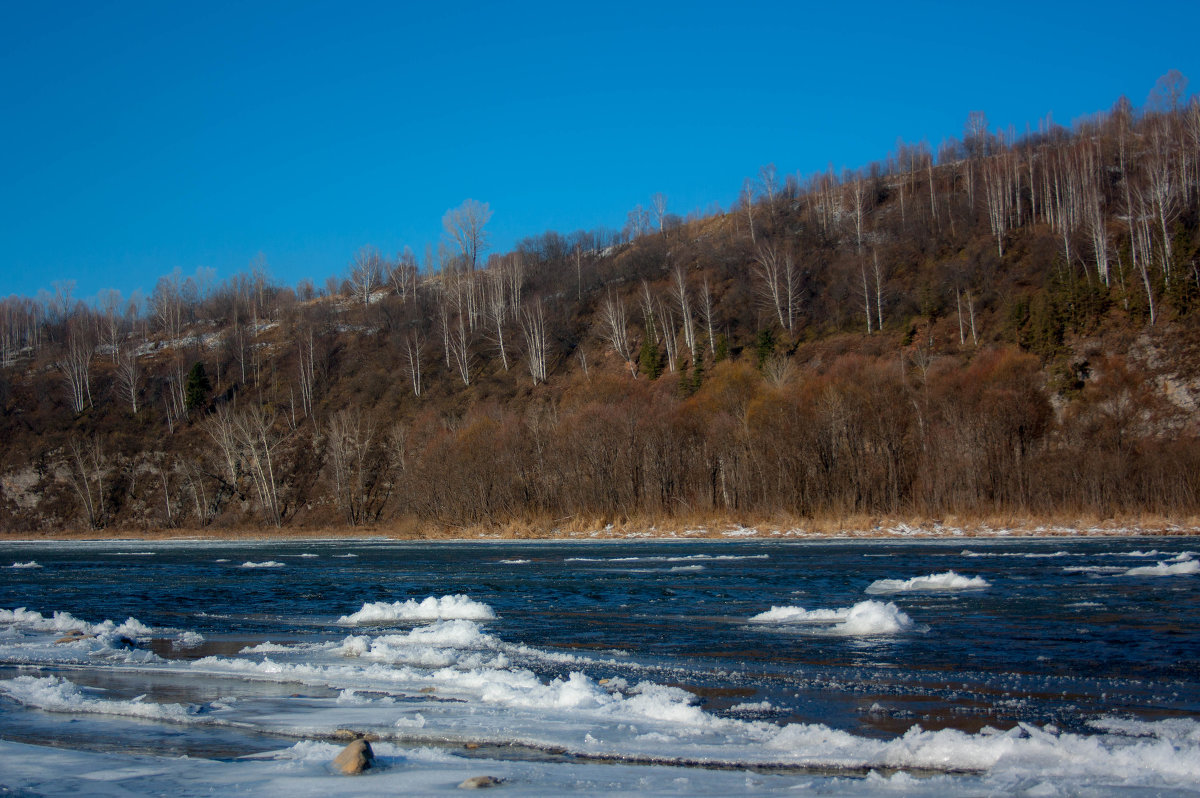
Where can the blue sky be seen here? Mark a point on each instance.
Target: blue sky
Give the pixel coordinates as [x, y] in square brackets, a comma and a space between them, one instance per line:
[138, 137]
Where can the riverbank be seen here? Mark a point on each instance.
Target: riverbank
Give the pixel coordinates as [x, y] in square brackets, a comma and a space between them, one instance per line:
[724, 528]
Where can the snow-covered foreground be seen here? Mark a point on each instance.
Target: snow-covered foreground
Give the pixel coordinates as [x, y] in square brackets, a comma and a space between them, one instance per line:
[255, 704]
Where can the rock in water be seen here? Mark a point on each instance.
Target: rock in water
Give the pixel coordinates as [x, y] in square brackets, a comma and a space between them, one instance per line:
[73, 636]
[480, 782]
[355, 758]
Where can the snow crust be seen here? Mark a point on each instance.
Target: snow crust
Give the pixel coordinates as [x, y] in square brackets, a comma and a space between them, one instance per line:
[948, 581]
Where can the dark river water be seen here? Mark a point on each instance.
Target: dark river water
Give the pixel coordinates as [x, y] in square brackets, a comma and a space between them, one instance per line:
[870, 638]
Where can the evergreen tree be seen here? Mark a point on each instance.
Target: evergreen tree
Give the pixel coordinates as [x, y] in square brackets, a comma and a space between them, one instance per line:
[197, 387]
[650, 359]
[764, 345]
[722, 348]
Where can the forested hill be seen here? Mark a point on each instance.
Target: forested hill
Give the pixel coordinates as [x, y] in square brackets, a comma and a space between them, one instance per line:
[1007, 327]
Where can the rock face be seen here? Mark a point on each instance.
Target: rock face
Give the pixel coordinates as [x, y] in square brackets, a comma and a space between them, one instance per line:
[480, 782]
[355, 758]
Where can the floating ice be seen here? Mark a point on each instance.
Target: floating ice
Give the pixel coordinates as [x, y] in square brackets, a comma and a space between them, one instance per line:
[187, 639]
[514, 562]
[429, 609]
[681, 558]
[55, 694]
[30, 564]
[1021, 554]
[864, 618]
[1181, 568]
[61, 622]
[267, 564]
[932, 583]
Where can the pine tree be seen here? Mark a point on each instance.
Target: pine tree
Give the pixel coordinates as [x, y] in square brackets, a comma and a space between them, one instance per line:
[764, 345]
[197, 387]
[650, 359]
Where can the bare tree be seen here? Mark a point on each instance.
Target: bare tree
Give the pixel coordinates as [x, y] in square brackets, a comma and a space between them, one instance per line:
[306, 366]
[249, 442]
[460, 348]
[999, 194]
[614, 329]
[465, 226]
[110, 322]
[537, 345]
[879, 273]
[496, 307]
[666, 321]
[769, 268]
[129, 377]
[768, 181]
[366, 274]
[637, 222]
[166, 303]
[658, 203]
[403, 276]
[87, 468]
[680, 293]
[414, 344]
[76, 362]
[706, 311]
[349, 444]
[746, 198]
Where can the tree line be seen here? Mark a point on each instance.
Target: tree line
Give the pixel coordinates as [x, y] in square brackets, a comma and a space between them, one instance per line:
[924, 335]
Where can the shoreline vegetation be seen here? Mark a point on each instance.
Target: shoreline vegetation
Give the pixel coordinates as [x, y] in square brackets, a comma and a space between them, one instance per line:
[565, 530]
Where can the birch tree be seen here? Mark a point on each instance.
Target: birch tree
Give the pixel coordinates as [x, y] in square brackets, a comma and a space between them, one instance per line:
[349, 444]
[658, 204]
[496, 308]
[614, 329]
[466, 225]
[129, 378]
[366, 274]
[537, 345]
[680, 293]
[249, 443]
[414, 345]
[75, 364]
[87, 468]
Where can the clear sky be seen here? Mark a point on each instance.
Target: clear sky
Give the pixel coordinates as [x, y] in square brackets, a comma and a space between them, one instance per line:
[137, 137]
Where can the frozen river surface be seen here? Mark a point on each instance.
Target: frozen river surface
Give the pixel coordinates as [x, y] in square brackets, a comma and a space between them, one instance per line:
[1037, 666]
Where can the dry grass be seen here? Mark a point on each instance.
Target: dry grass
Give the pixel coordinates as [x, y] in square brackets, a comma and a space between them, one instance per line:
[696, 526]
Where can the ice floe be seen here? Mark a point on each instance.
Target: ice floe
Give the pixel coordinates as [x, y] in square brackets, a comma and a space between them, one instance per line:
[948, 581]
[864, 618]
[1181, 568]
[428, 609]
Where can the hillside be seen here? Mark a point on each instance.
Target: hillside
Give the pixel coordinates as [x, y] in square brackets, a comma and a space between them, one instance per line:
[1006, 328]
